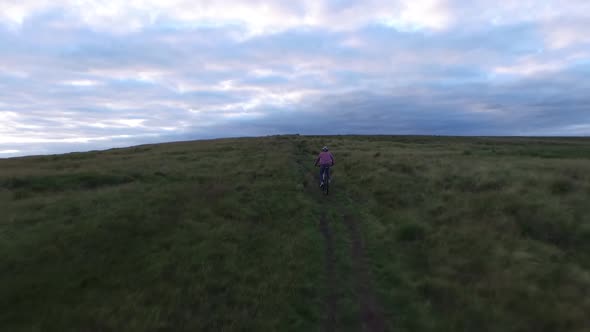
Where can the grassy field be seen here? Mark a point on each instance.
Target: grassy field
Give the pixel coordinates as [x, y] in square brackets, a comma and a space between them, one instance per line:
[418, 234]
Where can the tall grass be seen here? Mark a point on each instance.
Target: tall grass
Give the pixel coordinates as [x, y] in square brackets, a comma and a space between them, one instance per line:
[462, 234]
[491, 240]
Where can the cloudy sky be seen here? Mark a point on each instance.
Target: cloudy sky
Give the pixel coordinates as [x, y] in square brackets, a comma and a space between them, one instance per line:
[77, 75]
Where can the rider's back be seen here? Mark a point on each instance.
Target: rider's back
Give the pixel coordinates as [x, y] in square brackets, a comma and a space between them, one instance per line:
[326, 158]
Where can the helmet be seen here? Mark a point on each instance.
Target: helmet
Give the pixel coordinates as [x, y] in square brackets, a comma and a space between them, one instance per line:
[325, 148]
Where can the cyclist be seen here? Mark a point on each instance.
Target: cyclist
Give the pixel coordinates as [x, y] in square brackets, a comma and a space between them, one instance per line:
[325, 160]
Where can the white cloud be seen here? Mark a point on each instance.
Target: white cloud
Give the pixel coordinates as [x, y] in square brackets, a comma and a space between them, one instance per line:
[243, 115]
[119, 123]
[77, 139]
[567, 32]
[530, 67]
[82, 83]
[540, 64]
[15, 12]
[415, 15]
[257, 16]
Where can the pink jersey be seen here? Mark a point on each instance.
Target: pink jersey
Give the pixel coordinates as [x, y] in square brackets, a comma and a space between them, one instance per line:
[325, 158]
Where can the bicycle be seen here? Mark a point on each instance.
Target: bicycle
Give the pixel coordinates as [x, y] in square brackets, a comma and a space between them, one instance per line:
[325, 186]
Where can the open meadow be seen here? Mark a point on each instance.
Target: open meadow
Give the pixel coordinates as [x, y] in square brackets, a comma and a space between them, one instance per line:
[417, 234]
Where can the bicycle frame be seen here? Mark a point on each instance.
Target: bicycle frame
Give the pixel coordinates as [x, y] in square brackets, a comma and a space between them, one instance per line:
[325, 181]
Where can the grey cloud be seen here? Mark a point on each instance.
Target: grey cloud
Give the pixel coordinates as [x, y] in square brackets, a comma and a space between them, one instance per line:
[465, 110]
[65, 80]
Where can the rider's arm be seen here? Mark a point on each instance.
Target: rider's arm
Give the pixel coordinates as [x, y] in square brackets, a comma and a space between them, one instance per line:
[333, 162]
[317, 161]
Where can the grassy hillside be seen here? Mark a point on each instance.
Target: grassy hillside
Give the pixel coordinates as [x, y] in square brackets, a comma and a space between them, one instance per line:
[419, 234]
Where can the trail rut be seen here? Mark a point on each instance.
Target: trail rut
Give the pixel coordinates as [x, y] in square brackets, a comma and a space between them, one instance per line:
[371, 314]
[330, 321]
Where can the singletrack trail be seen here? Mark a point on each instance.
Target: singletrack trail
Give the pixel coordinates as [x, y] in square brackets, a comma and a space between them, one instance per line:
[371, 314]
[330, 298]
[330, 322]
[371, 317]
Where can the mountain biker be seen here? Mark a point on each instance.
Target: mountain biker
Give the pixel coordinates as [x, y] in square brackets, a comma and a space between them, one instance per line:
[325, 160]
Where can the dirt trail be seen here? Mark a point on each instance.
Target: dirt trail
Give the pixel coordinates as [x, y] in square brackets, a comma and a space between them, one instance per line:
[330, 322]
[371, 314]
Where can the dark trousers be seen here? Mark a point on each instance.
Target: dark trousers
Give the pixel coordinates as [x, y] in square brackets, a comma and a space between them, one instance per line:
[324, 169]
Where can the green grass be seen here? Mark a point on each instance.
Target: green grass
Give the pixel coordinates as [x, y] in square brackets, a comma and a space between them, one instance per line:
[460, 234]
